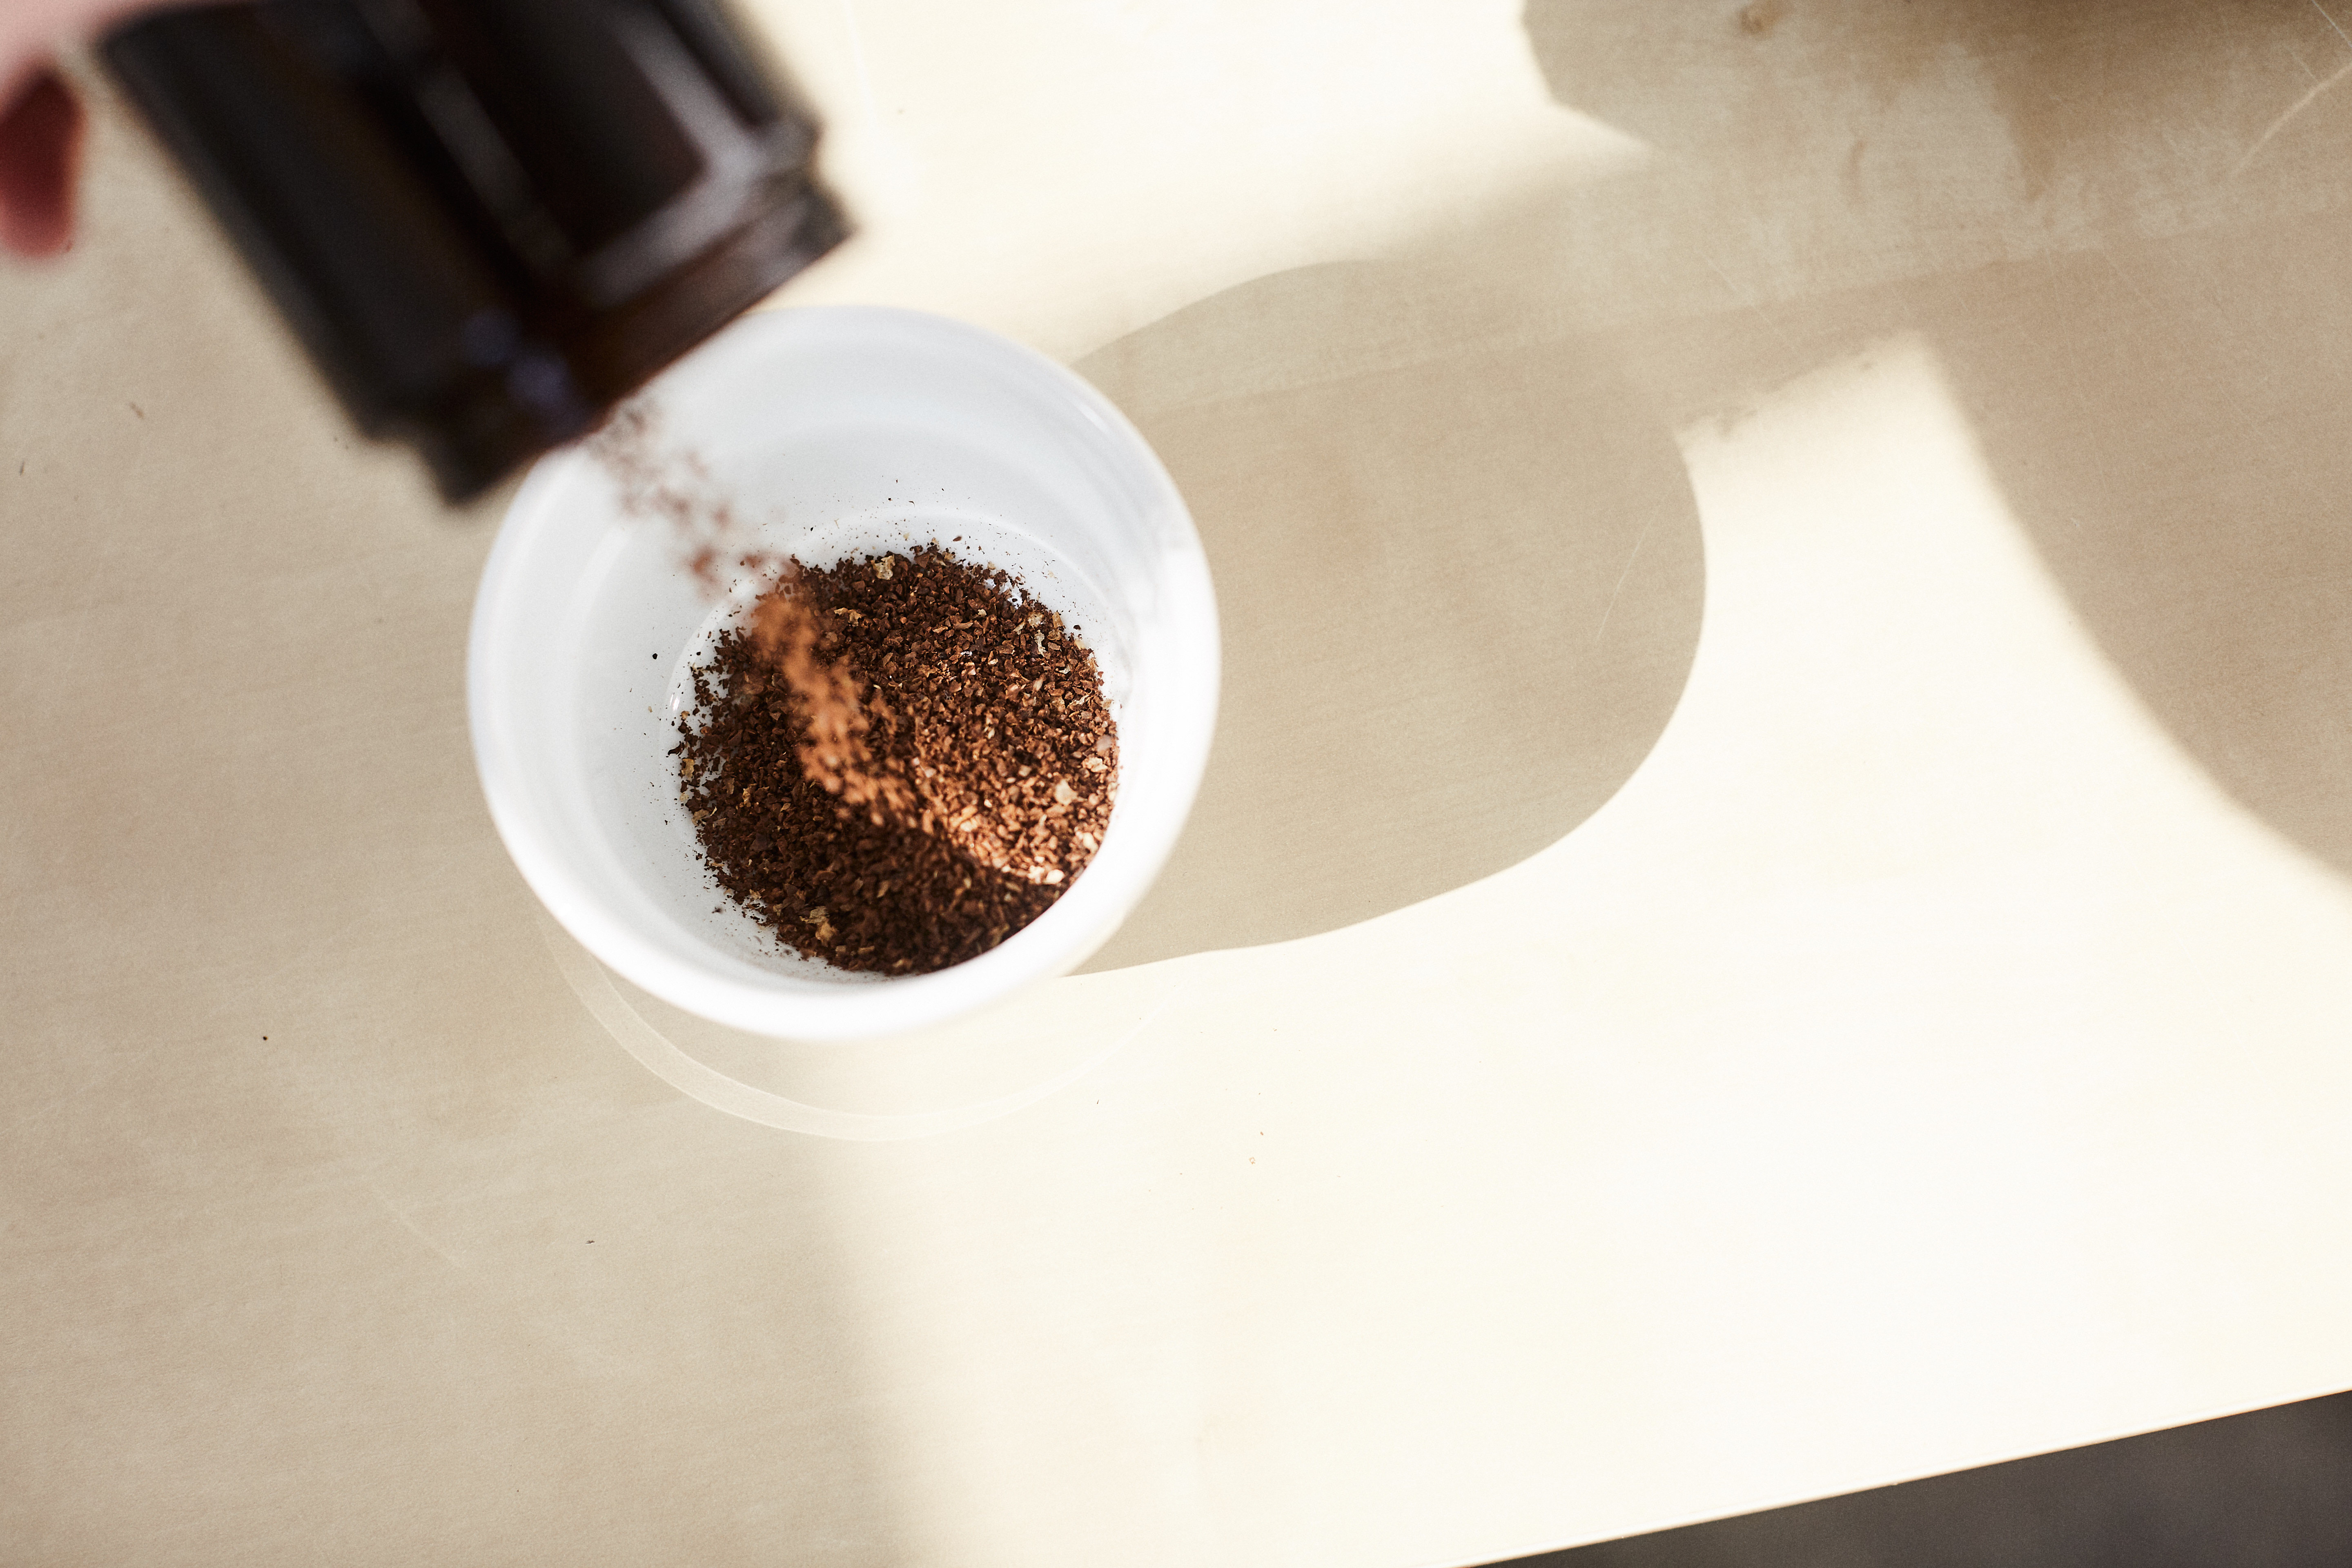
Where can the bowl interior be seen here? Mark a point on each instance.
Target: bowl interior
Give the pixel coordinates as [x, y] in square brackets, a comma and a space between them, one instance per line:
[830, 433]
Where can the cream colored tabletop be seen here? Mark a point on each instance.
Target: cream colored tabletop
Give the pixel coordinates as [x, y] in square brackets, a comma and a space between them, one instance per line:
[1771, 913]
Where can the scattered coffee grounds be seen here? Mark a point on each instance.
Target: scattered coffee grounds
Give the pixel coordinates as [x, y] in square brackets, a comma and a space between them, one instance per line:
[897, 762]
[669, 486]
[674, 488]
[787, 638]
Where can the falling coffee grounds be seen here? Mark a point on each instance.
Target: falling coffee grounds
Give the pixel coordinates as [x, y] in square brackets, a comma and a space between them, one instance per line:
[895, 763]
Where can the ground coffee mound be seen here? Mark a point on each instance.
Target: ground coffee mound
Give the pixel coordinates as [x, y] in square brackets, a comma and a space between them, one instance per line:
[897, 762]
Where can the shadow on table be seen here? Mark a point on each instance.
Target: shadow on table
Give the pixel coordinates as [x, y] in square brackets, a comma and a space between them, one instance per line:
[1460, 598]
[1457, 558]
[2153, 337]
[2270, 1488]
[2059, 77]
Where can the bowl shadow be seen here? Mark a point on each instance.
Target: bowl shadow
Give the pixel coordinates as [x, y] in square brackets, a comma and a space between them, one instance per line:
[1460, 596]
[2154, 370]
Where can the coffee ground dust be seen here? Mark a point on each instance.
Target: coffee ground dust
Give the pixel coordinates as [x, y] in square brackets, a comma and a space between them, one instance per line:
[897, 762]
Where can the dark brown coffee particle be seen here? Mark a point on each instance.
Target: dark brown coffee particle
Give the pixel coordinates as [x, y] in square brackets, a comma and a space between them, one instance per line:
[897, 762]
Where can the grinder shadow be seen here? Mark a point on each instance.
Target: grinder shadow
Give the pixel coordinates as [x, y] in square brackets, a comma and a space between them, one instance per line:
[1460, 596]
[2124, 224]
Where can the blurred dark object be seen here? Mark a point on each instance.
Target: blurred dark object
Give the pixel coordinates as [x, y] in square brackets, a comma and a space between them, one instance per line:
[489, 220]
[2270, 1488]
[40, 144]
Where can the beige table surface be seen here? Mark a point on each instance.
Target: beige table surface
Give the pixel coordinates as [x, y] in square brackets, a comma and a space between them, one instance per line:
[1771, 913]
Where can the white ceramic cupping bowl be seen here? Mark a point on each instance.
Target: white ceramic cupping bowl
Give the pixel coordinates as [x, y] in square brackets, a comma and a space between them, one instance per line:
[835, 431]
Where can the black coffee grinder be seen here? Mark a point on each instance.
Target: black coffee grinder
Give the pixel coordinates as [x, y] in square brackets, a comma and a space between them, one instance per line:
[488, 220]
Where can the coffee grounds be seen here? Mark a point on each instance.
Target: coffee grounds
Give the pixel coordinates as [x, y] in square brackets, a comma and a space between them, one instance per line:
[651, 480]
[969, 785]
[829, 700]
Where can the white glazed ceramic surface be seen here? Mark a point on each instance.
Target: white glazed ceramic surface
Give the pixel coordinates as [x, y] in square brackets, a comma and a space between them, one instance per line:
[834, 431]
